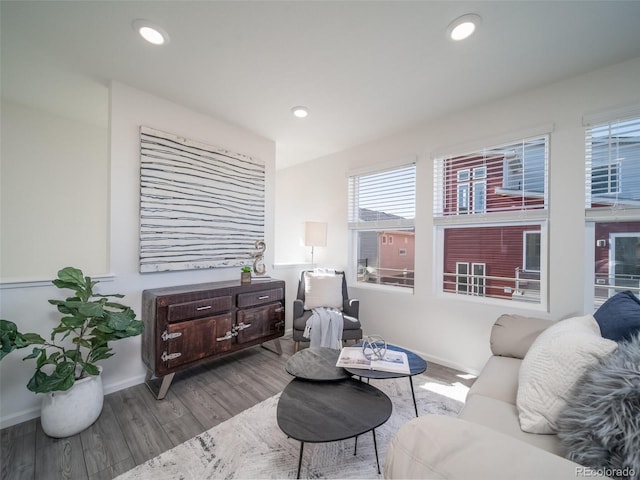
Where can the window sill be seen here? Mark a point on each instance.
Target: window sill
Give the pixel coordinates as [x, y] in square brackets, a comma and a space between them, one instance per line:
[383, 288]
[491, 301]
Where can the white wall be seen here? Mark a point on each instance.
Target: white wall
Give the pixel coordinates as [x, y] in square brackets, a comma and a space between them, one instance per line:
[455, 332]
[27, 303]
[53, 193]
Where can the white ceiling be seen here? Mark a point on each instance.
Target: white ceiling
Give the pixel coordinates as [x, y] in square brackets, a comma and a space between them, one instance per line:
[365, 69]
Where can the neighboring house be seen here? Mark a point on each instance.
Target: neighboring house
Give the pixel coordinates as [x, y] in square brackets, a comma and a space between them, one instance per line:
[617, 255]
[500, 261]
[386, 256]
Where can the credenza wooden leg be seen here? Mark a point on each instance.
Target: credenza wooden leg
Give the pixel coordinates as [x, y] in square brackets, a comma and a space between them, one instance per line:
[159, 386]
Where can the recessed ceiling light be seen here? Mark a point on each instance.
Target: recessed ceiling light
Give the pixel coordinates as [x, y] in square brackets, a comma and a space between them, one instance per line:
[463, 27]
[300, 111]
[150, 32]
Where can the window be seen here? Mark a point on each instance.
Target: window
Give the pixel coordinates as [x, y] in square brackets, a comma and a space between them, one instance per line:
[612, 160]
[381, 213]
[531, 260]
[497, 249]
[463, 198]
[462, 277]
[470, 283]
[612, 208]
[478, 278]
[604, 180]
[479, 197]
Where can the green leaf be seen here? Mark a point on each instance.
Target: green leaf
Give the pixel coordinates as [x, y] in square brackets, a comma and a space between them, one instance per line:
[83, 342]
[31, 338]
[73, 355]
[72, 275]
[60, 380]
[64, 369]
[91, 309]
[118, 320]
[42, 358]
[72, 322]
[7, 326]
[91, 369]
[103, 328]
[100, 354]
[34, 353]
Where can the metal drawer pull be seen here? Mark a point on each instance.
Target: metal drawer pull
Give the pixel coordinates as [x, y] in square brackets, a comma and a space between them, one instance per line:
[227, 336]
[278, 310]
[263, 297]
[241, 326]
[206, 307]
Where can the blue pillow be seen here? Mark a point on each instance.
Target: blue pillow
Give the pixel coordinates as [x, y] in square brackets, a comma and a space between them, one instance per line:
[619, 317]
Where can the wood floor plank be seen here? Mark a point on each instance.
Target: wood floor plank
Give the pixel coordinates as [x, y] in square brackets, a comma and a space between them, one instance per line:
[114, 470]
[103, 443]
[201, 403]
[143, 433]
[182, 429]
[18, 446]
[59, 458]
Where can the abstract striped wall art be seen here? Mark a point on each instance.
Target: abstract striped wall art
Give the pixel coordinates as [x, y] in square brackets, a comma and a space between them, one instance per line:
[200, 206]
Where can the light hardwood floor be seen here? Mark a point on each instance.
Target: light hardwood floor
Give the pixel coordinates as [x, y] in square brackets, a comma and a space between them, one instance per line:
[134, 427]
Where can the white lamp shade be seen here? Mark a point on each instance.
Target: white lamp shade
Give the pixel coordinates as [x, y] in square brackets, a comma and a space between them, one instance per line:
[315, 234]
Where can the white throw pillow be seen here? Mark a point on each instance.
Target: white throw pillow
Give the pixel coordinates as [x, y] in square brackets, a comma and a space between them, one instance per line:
[322, 291]
[552, 366]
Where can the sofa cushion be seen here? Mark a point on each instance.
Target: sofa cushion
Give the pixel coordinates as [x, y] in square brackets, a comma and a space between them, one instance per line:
[503, 417]
[512, 335]
[619, 316]
[498, 379]
[554, 363]
[322, 291]
[438, 447]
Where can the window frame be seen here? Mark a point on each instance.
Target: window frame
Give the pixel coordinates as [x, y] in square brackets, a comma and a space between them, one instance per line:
[379, 225]
[534, 212]
[599, 209]
[525, 246]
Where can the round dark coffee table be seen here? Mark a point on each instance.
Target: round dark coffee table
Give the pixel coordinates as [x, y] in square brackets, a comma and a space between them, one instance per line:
[316, 363]
[318, 412]
[417, 365]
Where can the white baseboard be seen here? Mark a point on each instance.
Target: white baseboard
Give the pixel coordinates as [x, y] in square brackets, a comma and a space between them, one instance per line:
[446, 363]
[34, 412]
[19, 417]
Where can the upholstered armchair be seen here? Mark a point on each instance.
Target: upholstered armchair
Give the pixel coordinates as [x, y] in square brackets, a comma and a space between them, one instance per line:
[352, 330]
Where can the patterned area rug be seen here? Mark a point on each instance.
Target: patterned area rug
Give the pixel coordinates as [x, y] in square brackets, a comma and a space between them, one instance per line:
[251, 445]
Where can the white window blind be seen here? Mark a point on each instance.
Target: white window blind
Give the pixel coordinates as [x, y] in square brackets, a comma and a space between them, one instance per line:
[513, 178]
[382, 208]
[383, 199]
[612, 166]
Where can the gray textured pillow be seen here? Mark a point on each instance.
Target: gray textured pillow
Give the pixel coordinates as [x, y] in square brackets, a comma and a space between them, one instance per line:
[600, 425]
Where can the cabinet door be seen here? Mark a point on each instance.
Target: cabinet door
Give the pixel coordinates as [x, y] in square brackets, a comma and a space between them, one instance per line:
[255, 323]
[195, 339]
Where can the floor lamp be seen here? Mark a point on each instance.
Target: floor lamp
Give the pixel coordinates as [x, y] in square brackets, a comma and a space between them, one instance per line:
[315, 235]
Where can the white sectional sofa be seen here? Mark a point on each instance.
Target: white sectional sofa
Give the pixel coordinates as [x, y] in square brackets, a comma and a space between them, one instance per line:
[485, 441]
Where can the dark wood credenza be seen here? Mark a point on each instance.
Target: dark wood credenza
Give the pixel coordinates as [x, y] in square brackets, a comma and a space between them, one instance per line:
[190, 324]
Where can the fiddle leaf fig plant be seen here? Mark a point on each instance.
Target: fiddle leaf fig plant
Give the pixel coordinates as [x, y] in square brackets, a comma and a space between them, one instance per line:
[89, 321]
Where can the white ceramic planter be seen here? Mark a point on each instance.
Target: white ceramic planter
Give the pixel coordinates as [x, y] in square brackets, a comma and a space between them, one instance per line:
[66, 413]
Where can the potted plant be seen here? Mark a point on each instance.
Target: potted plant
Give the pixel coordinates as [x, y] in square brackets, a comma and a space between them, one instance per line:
[66, 370]
[245, 275]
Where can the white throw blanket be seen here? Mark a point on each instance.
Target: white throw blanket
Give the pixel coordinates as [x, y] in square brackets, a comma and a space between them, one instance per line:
[324, 328]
